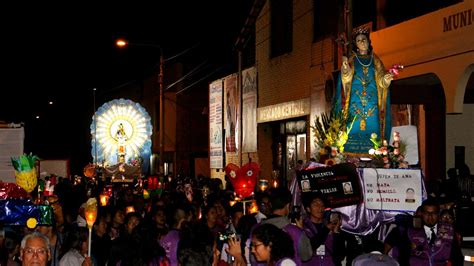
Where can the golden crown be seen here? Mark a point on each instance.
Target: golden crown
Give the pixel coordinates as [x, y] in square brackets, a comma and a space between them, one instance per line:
[360, 30]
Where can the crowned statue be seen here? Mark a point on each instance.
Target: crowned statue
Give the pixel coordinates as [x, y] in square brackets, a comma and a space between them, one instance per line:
[363, 93]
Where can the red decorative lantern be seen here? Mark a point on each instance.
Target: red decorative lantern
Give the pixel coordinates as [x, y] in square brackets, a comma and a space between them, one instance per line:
[243, 179]
[153, 183]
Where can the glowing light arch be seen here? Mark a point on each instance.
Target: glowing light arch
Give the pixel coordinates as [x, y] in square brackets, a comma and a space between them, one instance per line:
[123, 133]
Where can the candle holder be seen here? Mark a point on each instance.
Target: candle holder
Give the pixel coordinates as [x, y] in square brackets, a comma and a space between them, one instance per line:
[91, 216]
[263, 184]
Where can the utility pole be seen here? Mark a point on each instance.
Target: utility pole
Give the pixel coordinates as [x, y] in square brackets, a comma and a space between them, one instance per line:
[162, 115]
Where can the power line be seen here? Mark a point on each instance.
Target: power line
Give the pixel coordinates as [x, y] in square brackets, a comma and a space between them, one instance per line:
[192, 72]
[194, 83]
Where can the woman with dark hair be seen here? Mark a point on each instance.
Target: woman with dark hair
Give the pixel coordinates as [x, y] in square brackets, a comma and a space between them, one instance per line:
[197, 246]
[272, 245]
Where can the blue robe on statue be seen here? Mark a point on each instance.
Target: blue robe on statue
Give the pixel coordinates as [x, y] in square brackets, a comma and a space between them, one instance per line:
[363, 94]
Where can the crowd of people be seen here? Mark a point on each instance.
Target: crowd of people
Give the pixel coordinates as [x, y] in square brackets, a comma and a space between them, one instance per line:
[171, 228]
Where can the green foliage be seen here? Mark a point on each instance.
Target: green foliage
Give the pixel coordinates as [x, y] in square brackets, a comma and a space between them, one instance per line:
[332, 130]
[25, 162]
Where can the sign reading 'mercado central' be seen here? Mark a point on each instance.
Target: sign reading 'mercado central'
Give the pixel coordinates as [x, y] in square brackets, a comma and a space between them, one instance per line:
[283, 110]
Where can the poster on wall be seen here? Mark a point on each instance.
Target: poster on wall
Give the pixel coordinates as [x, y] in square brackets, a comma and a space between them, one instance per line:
[232, 107]
[249, 110]
[54, 167]
[392, 189]
[338, 184]
[216, 148]
[11, 145]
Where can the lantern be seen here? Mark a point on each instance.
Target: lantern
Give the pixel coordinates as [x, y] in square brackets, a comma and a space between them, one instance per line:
[129, 209]
[263, 184]
[91, 211]
[89, 171]
[243, 179]
[91, 216]
[104, 199]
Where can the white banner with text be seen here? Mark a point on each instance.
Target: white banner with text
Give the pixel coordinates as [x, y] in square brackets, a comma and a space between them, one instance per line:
[392, 189]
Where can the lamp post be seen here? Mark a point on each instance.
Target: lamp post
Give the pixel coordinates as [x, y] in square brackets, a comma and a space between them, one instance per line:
[123, 43]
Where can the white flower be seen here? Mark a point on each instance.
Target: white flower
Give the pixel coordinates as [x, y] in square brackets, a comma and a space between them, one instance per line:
[371, 151]
[232, 174]
[249, 173]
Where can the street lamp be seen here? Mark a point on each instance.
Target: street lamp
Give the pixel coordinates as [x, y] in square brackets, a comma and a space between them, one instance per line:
[123, 43]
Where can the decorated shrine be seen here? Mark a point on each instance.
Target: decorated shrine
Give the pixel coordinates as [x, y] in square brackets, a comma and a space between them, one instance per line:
[121, 139]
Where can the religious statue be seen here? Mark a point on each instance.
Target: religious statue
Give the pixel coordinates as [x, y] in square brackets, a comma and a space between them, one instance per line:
[121, 138]
[363, 93]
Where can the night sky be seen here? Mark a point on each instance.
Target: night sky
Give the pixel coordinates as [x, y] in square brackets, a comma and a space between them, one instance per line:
[61, 52]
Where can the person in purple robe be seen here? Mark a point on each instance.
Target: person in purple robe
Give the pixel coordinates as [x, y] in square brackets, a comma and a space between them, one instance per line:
[433, 243]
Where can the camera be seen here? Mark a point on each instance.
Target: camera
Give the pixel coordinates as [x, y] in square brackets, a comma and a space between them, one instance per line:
[226, 235]
[295, 213]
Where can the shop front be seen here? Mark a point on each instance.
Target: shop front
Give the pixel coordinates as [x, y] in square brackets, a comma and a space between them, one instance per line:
[285, 139]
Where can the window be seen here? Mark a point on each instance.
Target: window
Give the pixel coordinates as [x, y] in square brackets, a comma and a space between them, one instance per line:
[326, 15]
[281, 27]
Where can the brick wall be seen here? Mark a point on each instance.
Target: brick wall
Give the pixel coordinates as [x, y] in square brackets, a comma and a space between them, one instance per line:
[291, 76]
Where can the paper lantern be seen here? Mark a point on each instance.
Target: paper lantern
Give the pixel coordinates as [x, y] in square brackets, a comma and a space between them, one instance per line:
[89, 171]
[243, 179]
[25, 171]
[91, 211]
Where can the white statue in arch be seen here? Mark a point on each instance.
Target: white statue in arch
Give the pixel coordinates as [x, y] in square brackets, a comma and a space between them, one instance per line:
[123, 134]
[121, 137]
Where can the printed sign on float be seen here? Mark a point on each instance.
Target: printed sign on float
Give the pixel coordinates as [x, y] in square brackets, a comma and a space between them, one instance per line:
[339, 184]
[392, 189]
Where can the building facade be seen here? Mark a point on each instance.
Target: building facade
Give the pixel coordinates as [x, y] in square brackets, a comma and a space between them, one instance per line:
[297, 59]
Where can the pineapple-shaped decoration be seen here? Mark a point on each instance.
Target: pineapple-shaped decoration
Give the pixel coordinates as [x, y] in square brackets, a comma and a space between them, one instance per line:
[25, 171]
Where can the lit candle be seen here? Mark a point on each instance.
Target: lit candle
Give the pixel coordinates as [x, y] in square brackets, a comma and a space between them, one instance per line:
[263, 184]
[91, 216]
[129, 209]
[104, 200]
[275, 183]
[253, 207]
[91, 211]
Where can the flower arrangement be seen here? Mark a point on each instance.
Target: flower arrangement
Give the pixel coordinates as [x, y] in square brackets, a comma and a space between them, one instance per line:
[331, 132]
[388, 156]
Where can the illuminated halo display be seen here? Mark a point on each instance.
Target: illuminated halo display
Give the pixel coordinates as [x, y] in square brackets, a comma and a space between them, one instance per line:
[123, 133]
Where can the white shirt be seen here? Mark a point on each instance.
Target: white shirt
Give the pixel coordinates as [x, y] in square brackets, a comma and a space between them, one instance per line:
[72, 258]
[288, 262]
[428, 231]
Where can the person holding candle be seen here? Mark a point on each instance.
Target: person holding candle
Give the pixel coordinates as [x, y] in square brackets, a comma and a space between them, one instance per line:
[76, 244]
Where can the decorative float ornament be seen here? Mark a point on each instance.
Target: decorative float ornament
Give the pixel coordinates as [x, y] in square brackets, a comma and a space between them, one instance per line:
[90, 171]
[11, 190]
[395, 70]
[123, 133]
[243, 179]
[49, 184]
[25, 171]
